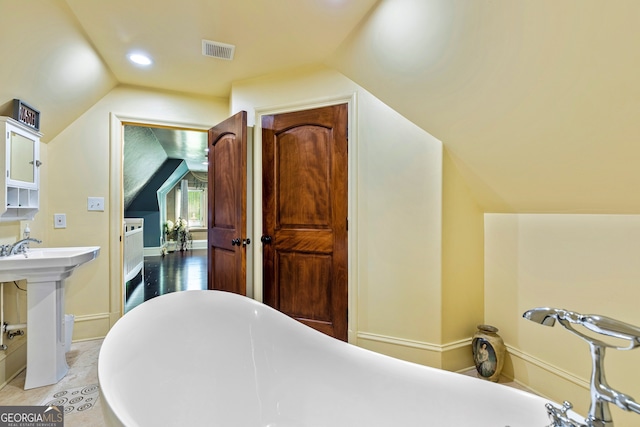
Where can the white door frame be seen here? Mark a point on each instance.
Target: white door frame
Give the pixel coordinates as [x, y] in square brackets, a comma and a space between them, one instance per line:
[116, 200]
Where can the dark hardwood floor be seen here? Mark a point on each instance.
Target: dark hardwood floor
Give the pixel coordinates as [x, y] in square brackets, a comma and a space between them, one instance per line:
[176, 271]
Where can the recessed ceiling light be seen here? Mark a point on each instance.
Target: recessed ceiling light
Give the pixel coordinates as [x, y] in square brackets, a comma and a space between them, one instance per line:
[140, 59]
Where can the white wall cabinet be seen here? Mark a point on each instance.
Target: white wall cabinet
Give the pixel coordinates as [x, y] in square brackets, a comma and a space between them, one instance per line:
[20, 182]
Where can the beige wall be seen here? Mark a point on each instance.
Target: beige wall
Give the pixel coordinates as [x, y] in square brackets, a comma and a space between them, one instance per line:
[462, 266]
[584, 263]
[396, 199]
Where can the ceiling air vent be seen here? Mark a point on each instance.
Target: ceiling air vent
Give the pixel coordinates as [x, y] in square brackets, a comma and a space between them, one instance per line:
[218, 50]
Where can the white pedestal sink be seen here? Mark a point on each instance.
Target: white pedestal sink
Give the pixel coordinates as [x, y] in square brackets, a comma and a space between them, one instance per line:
[45, 270]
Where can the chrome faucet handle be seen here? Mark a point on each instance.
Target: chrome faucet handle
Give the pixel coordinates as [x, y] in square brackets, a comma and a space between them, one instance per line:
[4, 250]
[595, 323]
[559, 416]
[604, 326]
[613, 328]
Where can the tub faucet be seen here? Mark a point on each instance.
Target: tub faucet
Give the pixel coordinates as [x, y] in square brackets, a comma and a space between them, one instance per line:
[560, 416]
[20, 246]
[601, 393]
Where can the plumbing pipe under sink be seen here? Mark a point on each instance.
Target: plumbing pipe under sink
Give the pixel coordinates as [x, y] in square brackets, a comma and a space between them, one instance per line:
[5, 327]
[15, 327]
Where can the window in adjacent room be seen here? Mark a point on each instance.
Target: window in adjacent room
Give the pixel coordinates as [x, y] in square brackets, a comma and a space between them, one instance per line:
[197, 208]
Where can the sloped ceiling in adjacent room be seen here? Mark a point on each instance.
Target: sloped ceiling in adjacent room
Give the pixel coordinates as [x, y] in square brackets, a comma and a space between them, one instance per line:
[146, 149]
[537, 102]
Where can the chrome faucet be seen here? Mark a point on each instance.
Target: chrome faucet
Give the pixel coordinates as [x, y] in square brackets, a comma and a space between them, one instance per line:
[601, 393]
[21, 246]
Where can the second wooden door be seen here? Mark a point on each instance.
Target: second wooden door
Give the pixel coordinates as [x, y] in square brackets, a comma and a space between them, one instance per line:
[305, 216]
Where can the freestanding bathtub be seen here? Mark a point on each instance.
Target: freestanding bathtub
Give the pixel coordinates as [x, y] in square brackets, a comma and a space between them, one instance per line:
[209, 358]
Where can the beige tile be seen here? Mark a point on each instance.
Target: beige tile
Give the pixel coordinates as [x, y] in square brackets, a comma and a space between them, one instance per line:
[83, 370]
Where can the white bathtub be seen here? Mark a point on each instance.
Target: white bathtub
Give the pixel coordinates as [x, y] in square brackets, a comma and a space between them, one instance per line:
[217, 359]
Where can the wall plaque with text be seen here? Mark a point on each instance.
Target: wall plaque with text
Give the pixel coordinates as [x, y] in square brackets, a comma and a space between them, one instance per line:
[26, 114]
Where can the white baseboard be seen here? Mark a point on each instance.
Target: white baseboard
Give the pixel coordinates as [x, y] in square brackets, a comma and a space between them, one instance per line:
[156, 250]
[422, 345]
[554, 370]
[527, 369]
[451, 356]
[91, 326]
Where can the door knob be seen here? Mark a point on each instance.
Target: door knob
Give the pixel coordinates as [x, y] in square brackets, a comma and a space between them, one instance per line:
[235, 242]
[265, 239]
[246, 241]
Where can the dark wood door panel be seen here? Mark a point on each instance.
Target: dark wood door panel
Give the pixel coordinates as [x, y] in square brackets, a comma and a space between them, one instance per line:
[224, 165]
[305, 213]
[227, 204]
[222, 239]
[226, 277]
[319, 241]
[303, 179]
[303, 278]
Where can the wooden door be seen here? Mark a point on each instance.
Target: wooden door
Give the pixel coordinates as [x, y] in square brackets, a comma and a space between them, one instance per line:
[304, 194]
[227, 220]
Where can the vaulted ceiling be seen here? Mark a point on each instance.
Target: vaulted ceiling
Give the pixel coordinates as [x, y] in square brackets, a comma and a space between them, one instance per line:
[270, 36]
[537, 102]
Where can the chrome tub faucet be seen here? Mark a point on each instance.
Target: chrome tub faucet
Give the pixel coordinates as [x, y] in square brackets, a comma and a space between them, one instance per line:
[601, 393]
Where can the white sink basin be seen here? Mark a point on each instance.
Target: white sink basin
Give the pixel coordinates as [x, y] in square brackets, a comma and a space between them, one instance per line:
[49, 263]
[45, 270]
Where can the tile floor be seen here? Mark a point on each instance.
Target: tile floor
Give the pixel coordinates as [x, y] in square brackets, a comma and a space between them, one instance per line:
[83, 371]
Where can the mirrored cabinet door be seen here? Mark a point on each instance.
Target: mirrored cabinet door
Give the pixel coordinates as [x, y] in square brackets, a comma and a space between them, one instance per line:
[21, 162]
[21, 180]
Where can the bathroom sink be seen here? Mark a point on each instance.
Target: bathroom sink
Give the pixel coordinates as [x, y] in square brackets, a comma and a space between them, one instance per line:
[45, 270]
[49, 263]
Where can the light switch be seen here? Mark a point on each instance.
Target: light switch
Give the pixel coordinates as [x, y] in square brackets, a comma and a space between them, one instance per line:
[59, 220]
[95, 204]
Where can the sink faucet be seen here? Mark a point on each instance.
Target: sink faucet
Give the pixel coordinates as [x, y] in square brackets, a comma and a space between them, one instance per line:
[601, 393]
[20, 246]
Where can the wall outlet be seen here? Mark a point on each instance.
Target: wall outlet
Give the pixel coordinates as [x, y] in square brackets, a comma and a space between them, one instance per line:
[95, 204]
[59, 220]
